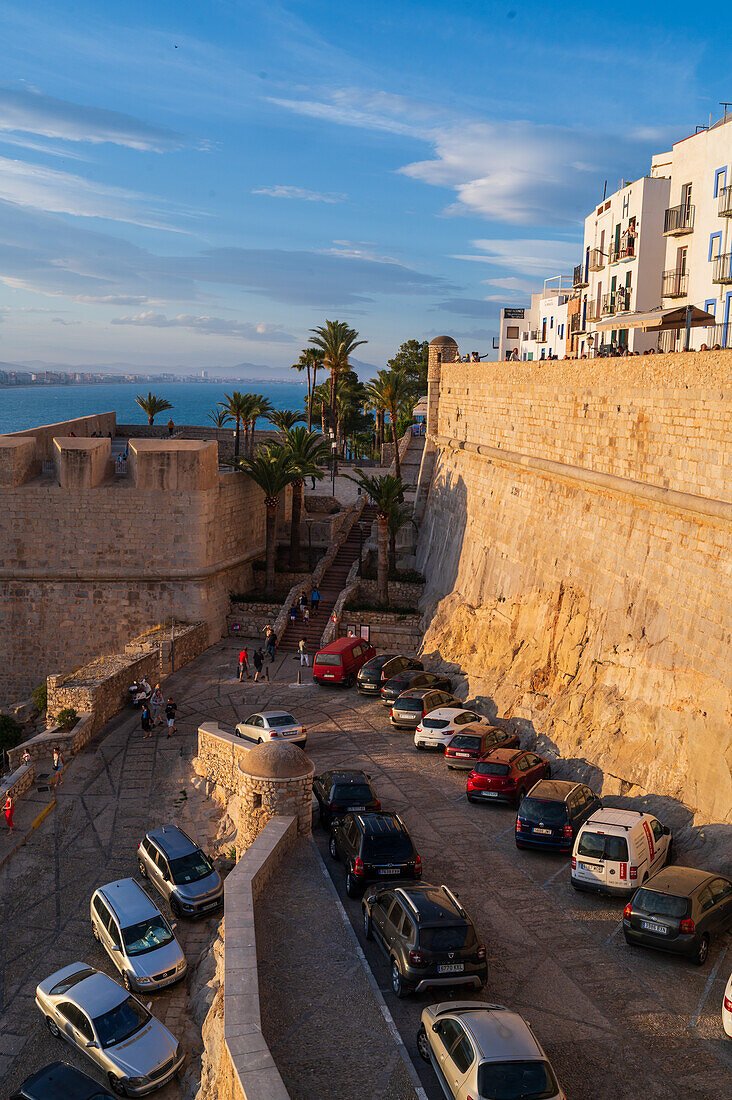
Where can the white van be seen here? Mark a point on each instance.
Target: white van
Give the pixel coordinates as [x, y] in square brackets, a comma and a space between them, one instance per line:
[617, 850]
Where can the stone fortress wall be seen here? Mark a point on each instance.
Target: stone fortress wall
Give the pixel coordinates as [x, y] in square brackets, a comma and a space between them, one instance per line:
[91, 557]
[576, 537]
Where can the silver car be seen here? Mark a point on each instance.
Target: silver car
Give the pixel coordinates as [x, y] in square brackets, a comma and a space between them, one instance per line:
[479, 1049]
[270, 725]
[135, 1052]
[136, 936]
[180, 871]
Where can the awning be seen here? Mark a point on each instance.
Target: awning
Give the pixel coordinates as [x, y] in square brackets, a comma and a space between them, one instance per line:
[658, 320]
[420, 409]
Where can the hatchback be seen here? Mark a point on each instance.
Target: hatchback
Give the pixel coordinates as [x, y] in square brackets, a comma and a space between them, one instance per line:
[180, 871]
[408, 681]
[505, 775]
[479, 1049]
[136, 936]
[271, 725]
[339, 662]
[373, 846]
[438, 727]
[60, 1081]
[727, 1008]
[412, 706]
[373, 675]
[428, 937]
[136, 1053]
[679, 910]
[473, 742]
[551, 814]
[337, 792]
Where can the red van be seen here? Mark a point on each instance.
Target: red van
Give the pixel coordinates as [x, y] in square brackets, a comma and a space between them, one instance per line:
[339, 662]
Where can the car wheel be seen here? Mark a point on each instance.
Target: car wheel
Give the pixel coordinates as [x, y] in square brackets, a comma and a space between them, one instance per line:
[53, 1028]
[700, 957]
[175, 909]
[367, 929]
[332, 848]
[548, 772]
[352, 887]
[95, 934]
[116, 1085]
[520, 796]
[142, 869]
[126, 981]
[423, 1043]
[397, 982]
[350, 681]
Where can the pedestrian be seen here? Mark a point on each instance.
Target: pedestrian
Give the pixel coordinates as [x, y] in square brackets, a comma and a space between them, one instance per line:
[57, 766]
[312, 478]
[9, 811]
[304, 659]
[315, 600]
[157, 702]
[293, 614]
[302, 601]
[26, 758]
[271, 643]
[243, 664]
[306, 614]
[170, 709]
[171, 426]
[146, 720]
[258, 664]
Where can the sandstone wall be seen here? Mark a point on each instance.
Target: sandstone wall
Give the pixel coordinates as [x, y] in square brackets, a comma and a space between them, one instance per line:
[580, 568]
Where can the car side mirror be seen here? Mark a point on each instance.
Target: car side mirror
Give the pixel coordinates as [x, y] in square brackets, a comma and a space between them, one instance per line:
[116, 947]
[666, 830]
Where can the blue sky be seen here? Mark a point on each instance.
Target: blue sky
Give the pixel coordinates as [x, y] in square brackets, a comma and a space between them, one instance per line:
[198, 184]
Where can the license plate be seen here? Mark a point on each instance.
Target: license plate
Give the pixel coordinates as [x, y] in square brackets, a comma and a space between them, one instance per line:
[544, 832]
[389, 870]
[463, 754]
[451, 968]
[590, 867]
[651, 926]
[328, 676]
[400, 714]
[489, 794]
[209, 905]
[352, 809]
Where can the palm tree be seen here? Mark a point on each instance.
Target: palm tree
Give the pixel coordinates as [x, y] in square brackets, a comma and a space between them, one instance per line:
[152, 405]
[235, 406]
[400, 517]
[272, 470]
[307, 451]
[310, 359]
[391, 390]
[285, 419]
[219, 417]
[337, 341]
[321, 403]
[386, 492]
[260, 409]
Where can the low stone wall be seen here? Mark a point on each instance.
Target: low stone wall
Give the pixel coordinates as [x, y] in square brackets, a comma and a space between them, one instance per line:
[319, 503]
[387, 455]
[400, 592]
[40, 748]
[401, 633]
[251, 618]
[17, 782]
[219, 755]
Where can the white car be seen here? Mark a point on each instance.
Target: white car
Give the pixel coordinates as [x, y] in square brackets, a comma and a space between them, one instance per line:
[436, 728]
[271, 725]
[617, 850]
[727, 1008]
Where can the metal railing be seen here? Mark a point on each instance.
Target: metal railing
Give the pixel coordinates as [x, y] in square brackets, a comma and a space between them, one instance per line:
[718, 335]
[722, 270]
[675, 284]
[579, 280]
[616, 301]
[725, 202]
[530, 334]
[541, 337]
[576, 325]
[679, 219]
[624, 249]
[594, 310]
[597, 259]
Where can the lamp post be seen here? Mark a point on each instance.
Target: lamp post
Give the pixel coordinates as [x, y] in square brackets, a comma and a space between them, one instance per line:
[309, 521]
[360, 549]
[334, 451]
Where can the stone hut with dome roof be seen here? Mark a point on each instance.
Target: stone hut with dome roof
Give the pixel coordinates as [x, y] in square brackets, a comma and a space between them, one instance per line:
[275, 778]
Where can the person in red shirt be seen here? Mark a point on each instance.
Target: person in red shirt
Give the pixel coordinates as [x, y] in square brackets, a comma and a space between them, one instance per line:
[243, 664]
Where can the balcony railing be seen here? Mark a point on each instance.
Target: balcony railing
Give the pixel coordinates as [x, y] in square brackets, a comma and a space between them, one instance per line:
[722, 270]
[616, 301]
[678, 220]
[530, 334]
[576, 325]
[597, 259]
[594, 310]
[725, 202]
[540, 337]
[718, 335]
[675, 284]
[624, 249]
[579, 280]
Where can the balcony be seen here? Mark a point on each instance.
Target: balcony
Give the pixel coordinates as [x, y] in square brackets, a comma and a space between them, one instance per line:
[594, 310]
[679, 220]
[718, 335]
[725, 202]
[530, 334]
[597, 259]
[579, 281]
[675, 284]
[722, 270]
[616, 301]
[624, 249]
[576, 325]
[540, 337]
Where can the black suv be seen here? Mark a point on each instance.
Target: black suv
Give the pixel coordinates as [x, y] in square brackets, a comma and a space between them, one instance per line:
[373, 846]
[552, 812]
[374, 674]
[408, 681]
[429, 938]
[339, 792]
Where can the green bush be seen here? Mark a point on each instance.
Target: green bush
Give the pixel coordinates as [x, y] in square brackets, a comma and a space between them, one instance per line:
[390, 608]
[11, 732]
[408, 576]
[66, 718]
[40, 698]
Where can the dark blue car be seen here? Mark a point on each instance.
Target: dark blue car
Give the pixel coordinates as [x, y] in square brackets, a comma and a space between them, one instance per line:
[60, 1081]
[551, 814]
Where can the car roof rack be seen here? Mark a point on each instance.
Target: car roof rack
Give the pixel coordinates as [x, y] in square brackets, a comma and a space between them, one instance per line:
[454, 900]
[406, 898]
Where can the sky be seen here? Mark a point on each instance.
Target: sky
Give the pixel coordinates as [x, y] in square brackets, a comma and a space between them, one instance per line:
[197, 185]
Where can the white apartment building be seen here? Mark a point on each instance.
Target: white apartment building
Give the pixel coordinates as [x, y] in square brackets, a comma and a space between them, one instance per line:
[547, 333]
[513, 324]
[622, 264]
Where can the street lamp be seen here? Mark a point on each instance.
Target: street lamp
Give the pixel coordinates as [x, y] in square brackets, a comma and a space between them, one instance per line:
[360, 549]
[334, 451]
[309, 521]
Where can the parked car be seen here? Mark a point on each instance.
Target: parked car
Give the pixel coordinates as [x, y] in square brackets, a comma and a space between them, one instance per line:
[271, 725]
[505, 775]
[464, 749]
[439, 726]
[374, 674]
[680, 909]
[727, 1008]
[428, 937]
[617, 850]
[337, 792]
[373, 846]
[180, 871]
[339, 662]
[412, 681]
[479, 1049]
[136, 1053]
[551, 814]
[412, 706]
[60, 1081]
[136, 936]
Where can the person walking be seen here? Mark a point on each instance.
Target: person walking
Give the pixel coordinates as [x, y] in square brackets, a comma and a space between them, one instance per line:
[26, 758]
[302, 601]
[157, 702]
[9, 811]
[293, 614]
[271, 643]
[258, 664]
[146, 720]
[301, 648]
[306, 614]
[170, 708]
[57, 766]
[315, 600]
[243, 664]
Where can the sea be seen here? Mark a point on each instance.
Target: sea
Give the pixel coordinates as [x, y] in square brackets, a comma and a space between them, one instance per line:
[24, 407]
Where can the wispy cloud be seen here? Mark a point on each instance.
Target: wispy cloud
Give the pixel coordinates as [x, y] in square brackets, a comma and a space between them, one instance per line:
[484, 309]
[529, 256]
[210, 326]
[283, 191]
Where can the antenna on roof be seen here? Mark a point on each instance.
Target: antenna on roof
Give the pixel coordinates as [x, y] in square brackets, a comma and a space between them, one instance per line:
[725, 105]
[604, 191]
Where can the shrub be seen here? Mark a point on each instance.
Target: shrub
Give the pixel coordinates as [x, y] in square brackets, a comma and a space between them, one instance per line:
[40, 698]
[11, 732]
[390, 608]
[66, 718]
[408, 576]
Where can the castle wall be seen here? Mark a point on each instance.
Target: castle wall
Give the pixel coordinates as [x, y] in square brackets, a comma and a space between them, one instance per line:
[577, 543]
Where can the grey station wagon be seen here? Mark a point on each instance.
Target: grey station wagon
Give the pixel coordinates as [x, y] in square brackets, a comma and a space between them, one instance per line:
[180, 871]
[136, 936]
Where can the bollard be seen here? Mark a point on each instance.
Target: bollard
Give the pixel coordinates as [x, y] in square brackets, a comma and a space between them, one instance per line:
[299, 676]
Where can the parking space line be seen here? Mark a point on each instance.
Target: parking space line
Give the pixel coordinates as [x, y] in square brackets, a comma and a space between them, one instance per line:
[707, 987]
[614, 932]
[556, 874]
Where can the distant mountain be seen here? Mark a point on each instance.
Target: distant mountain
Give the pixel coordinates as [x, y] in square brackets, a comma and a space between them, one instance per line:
[239, 371]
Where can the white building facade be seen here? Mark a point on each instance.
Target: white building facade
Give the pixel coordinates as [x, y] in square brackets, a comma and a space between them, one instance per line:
[513, 324]
[547, 336]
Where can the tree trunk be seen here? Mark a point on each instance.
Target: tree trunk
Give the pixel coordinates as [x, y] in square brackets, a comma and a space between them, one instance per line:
[381, 435]
[392, 552]
[322, 416]
[397, 463]
[312, 394]
[150, 420]
[333, 417]
[251, 436]
[236, 439]
[382, 575]
[298, 493]
[270, 504]
[310, 401]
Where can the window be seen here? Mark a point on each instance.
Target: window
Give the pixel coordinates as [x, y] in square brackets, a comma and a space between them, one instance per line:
[706, 899]
[512, 332]
[721, 889]
[190, 868]
[78, 1020]
[404, 927]
[121, 1022]
[146, 936]
[256, 801]
[686, 195]
[720, 180]
[449, 1031]
[656, 829]
[357, 651]
[664, 905]
[462, 1054]
[681, 254]
[99, 907]
[395, 914]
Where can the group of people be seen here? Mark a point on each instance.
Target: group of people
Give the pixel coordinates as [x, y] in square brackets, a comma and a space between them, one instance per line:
[260, 670]
[306, 607]
[151, 713]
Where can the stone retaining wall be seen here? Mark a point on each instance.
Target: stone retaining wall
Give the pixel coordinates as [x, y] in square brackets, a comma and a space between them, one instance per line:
[17, 782]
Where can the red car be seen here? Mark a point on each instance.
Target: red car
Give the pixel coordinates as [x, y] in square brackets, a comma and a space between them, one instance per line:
[474, 741]
[505, 775]
[339, 662]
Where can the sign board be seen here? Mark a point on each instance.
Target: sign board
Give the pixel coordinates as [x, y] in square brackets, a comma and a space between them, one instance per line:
[514, 314]
[366, 633]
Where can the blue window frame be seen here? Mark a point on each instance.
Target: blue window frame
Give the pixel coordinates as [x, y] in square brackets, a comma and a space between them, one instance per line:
[712, 238]
[710, 306]
[720, 174]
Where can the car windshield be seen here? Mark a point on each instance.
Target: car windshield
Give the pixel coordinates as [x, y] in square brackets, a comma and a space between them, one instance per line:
[389, 848]
[516, 1080]
[328, 659]
[190, 868]
[485, 767]
[277, 721]
[435, 723]
[352, 792]
[536, 809]
[453, 937]
[146, 936]
[599, 846]
[120, 1022]
[465, 741]
[661, 905]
